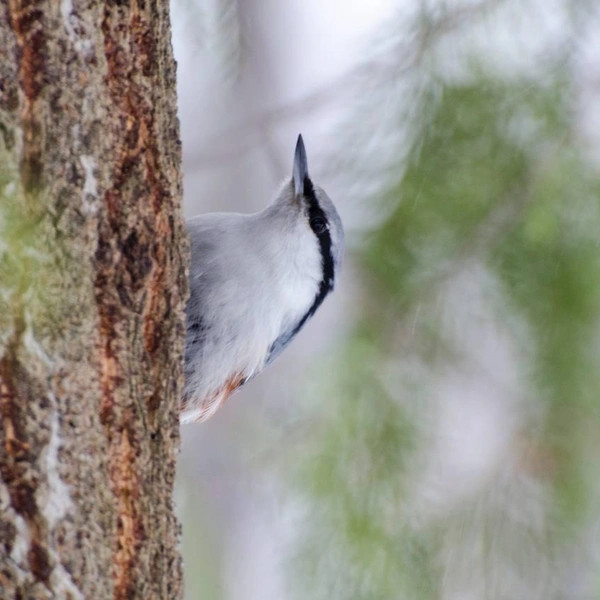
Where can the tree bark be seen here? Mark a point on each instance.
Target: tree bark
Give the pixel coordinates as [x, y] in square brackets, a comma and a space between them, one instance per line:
[92, 292]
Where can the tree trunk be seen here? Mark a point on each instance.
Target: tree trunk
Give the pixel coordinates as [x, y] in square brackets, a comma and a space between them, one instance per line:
[92, 292]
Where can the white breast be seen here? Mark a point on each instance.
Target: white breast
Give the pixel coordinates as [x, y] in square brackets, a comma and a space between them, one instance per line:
[254, 283]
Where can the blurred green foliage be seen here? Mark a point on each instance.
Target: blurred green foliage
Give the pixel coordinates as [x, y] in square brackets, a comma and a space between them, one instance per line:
[496, 176]
[355, 546]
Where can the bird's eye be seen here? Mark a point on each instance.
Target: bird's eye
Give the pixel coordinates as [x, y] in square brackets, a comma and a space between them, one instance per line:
[318, 225]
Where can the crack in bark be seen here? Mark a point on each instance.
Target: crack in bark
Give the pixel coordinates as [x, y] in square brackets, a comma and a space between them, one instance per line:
[137, 262]
[21, 481]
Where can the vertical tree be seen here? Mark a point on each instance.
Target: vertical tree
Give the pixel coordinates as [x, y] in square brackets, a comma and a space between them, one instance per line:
[92, 291]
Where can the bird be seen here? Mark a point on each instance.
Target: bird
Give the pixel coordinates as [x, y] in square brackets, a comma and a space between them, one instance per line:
[255, 280]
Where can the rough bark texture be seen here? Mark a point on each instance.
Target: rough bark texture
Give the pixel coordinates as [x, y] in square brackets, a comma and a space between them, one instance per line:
[92, 291]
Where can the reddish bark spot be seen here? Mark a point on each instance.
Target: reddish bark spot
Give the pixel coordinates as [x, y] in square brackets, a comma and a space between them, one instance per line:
[10, 404]
[27, 22]
[33, 64]
[39, 561]
[22, 498]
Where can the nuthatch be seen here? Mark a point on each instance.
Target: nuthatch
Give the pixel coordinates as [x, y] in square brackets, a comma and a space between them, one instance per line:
[255, 280]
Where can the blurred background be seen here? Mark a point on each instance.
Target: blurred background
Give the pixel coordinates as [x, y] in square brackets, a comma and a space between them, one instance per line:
[434, 431]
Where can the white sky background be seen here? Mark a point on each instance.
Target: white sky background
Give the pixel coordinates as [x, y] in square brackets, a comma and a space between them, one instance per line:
[237, 149]
[288, 50]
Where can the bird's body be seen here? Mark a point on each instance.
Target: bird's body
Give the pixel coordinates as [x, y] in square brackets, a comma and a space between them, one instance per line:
[254, 281]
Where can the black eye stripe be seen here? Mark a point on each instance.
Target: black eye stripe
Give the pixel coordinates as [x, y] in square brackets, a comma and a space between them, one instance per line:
[319, 225]
[315, 214]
